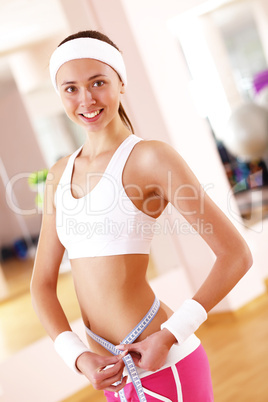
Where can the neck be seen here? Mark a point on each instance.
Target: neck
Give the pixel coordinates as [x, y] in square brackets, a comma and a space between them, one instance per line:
[106, 139]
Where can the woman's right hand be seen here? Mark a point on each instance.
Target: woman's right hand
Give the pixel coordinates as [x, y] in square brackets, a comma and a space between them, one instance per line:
[103, 371]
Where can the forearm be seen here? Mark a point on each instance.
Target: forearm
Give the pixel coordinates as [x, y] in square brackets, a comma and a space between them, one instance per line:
[225, 274]
[49, 310]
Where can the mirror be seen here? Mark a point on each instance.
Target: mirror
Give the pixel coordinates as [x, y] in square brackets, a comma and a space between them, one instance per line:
[226, 50]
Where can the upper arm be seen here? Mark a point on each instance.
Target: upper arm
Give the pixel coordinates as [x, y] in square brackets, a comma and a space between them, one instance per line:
[49, 250]
[178, 185]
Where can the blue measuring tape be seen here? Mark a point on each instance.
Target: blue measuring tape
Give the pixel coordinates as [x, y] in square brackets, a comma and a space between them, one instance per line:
[130, 338]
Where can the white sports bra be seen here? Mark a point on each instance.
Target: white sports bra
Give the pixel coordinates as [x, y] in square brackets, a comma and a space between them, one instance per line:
[105, 221]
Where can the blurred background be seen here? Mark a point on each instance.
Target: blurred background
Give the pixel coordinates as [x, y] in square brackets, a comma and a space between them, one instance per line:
[198, 79]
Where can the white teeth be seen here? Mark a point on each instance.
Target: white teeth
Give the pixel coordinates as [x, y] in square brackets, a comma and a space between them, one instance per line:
[91, 115]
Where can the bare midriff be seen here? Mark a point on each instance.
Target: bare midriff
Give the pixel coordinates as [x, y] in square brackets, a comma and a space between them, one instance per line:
[114, 295]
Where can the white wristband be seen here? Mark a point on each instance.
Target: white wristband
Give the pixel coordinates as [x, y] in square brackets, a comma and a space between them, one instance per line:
[69, 346]
[186, 320]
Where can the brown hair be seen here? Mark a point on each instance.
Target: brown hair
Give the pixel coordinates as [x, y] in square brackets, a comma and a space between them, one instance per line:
[100, 36]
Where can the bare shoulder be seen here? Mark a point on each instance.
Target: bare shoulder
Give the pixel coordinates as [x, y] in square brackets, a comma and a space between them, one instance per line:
[153, 150]
[150, 163]
[56, 171]
[52, 181]
[151, 155]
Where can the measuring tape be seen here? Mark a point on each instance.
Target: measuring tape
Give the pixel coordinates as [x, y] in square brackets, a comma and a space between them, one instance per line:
[130, 338]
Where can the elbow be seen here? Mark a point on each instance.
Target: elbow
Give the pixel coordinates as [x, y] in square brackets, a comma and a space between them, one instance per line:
[239, 257]
[245, 257]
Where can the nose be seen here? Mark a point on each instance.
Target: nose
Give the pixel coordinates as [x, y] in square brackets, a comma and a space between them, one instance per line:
[86, 98]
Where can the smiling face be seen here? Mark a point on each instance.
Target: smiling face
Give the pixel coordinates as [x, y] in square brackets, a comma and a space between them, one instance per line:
[90, 92]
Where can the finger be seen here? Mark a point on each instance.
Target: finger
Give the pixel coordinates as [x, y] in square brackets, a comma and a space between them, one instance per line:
[136, 357]
[129, 347]
[111, 361]
[118, 387]
[108, 360]
[106, 377]
[111, 370]
[121, 347]
[123, 354]
[112, 383]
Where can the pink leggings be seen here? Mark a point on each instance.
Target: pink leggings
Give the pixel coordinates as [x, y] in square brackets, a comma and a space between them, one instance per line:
[189, 380]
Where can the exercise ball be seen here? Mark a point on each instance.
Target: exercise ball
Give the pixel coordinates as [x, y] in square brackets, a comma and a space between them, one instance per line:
[246, 136]
[260, 86]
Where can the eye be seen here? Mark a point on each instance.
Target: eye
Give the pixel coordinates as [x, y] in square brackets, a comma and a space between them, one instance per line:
[97, 84]
[70, 89]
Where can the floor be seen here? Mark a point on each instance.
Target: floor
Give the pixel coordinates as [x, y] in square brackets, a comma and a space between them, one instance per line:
[236, 344]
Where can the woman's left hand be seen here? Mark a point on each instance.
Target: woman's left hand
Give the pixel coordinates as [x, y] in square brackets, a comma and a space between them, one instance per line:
[151, 353]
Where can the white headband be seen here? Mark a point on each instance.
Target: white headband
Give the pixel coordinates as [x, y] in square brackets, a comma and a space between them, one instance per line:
[87, 48]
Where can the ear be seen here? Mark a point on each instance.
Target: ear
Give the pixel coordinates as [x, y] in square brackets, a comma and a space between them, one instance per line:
[122, 90]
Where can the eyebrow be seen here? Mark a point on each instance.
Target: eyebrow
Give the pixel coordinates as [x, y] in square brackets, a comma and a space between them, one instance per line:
[89, 79]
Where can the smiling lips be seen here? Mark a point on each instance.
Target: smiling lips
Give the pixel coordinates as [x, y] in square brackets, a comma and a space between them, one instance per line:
[93, 114]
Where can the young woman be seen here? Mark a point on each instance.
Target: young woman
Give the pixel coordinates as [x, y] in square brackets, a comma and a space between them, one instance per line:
[101, 205]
